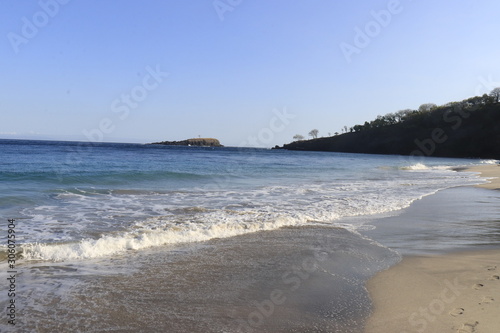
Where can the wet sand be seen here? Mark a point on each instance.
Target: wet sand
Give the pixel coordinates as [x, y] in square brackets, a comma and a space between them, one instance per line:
[457, 219]
[458, 292]
[289, 280]
[490, 171]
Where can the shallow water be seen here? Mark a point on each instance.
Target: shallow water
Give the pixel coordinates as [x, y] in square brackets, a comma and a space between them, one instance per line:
[129, 238]
[307, 279]
[462, 218]
[82, 200]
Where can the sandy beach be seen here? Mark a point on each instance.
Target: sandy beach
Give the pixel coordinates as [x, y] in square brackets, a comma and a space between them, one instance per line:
[489, 171]
[451, 293]
[458, 292]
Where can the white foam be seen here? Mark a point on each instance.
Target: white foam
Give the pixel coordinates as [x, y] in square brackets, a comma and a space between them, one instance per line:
[196, 225]
[111, 245]
[417, 166]
[104, 224]
[489, 162]
[421, 167]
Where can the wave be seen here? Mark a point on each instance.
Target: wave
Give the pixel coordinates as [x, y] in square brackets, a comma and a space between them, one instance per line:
[418, 166]
[198, 224]
[83, 223]
[421, 166]
[112, 245]
[489, 162]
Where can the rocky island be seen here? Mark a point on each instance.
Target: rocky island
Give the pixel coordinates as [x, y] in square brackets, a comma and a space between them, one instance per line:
[199, 142]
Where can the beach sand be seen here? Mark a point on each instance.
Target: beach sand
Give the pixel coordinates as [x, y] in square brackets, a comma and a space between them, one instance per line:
[458, 292]
[451, 293]
[489, 171]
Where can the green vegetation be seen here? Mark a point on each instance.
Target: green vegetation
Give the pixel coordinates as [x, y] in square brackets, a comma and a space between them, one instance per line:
[469, 128]
[200, 142]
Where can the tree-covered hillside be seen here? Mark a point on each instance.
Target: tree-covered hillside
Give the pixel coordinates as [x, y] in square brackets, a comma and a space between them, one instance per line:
[470, 128]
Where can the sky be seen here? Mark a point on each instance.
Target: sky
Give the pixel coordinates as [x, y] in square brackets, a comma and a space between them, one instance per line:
[249, 73]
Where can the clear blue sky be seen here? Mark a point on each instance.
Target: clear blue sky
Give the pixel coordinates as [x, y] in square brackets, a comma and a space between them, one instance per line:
[67, 67]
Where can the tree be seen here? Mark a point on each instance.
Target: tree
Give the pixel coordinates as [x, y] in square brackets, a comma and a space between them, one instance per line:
[427, 107]
[402, 115]
[358, 128]
[495, 93]
[298, 137]
[314, 133]
[473, 101]
[389, 119]
[378, 122]
[487, 99]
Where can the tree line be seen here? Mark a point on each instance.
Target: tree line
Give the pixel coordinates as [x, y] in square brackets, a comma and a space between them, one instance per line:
[405, 115]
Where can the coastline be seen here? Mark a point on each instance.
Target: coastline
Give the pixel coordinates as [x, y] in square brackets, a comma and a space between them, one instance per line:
[457, 292]
[489, 171]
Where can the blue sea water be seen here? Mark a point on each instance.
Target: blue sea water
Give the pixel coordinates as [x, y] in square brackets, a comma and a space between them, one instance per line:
[87, 210]
[85, 200]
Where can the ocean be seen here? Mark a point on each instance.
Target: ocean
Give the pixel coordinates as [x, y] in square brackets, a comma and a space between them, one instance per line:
[233, 239]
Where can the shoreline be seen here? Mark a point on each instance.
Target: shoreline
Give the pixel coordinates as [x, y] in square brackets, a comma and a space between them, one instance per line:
[488, 171]
[263, 281]
[454, 292]
[258, 282]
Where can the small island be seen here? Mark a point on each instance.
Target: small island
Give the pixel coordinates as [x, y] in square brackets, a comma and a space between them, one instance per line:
[199, 142]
